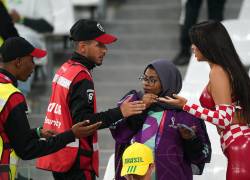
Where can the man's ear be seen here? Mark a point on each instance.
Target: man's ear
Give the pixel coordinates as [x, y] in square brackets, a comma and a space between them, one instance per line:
[17, 63]
[82, 46]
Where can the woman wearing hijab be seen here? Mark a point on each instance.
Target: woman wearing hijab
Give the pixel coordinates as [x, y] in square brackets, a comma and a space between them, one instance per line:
[179, 140]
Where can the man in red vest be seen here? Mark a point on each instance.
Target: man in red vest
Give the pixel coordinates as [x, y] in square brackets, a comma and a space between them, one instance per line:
[73, 99]
[16, 137]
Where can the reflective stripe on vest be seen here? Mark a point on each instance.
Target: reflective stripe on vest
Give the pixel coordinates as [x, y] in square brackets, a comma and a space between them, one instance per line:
[95, 146]
[62, 81]
[13, 164]
[13, 158]
[2, 103]
[74, 144]
[6, 90]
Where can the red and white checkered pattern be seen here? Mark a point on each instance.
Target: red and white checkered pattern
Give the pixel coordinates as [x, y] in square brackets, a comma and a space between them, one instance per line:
[222, 116]
[233, 131]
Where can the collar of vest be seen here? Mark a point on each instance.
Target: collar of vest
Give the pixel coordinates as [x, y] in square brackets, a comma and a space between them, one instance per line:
[8, 76]
[83, 60]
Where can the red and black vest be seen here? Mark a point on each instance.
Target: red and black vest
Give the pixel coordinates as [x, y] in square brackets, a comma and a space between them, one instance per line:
[8, 157]
[58, 118]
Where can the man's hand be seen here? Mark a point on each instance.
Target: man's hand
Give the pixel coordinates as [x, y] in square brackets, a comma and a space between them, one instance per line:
[132, 108]
[149, 99]
[82, 129]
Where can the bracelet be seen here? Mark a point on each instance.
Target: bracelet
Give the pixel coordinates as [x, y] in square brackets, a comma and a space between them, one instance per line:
[38, 131]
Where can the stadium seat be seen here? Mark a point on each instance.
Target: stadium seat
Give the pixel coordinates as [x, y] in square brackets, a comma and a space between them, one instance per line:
[110, 169]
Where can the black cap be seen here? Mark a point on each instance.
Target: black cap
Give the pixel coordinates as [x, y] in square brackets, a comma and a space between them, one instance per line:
[15, 47]
[84, 30]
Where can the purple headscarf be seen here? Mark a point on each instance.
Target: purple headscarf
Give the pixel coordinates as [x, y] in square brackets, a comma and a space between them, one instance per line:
[170, 77]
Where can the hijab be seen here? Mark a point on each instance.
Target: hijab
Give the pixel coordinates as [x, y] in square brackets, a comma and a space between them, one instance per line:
[170, 78]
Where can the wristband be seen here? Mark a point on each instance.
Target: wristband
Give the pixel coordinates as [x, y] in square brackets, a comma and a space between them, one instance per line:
[38, 131]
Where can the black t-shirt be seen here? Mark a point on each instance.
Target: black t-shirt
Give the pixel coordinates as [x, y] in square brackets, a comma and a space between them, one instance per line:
[81, 101]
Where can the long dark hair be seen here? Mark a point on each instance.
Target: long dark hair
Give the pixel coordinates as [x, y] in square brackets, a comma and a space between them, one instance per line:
[215, 44]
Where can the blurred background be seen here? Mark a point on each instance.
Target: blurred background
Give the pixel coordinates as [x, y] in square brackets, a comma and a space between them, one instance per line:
[146, 30]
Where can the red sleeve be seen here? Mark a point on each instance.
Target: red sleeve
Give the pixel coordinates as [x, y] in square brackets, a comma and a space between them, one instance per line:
[222, 116]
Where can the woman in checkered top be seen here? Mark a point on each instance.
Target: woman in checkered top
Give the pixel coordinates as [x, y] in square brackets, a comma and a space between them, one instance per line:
[225, 101]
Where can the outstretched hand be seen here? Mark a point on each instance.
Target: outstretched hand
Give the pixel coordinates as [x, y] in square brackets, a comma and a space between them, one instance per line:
[132, 108]
[83, 129]
[177, 101]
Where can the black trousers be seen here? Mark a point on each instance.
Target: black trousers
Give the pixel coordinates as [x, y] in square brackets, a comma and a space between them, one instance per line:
[192, 9]
[74, 174]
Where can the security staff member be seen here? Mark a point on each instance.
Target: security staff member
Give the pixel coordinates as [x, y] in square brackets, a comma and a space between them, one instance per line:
[16, 137]
[73, 82]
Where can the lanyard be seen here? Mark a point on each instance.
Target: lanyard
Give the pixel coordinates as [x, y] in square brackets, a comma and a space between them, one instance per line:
[161, 128]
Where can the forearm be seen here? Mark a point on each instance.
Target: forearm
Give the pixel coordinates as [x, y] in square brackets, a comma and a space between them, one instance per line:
[39, 25]
[82, 108]
[222, 116]
[36, 147]
[29, 146]
[106, 117]
[25, 141]
[136, 122]
[124, 130]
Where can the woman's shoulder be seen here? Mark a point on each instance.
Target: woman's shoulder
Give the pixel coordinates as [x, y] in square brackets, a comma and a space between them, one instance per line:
[216, 71]
[219, 80]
